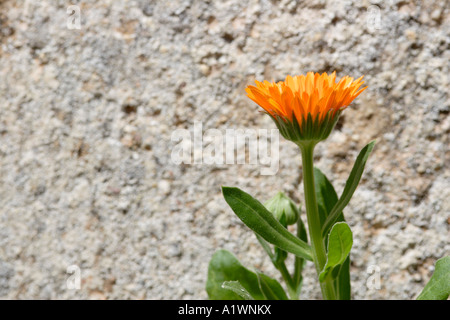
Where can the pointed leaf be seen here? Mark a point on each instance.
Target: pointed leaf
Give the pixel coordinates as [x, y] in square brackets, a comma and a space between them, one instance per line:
[266, 246]
[271, 288]
[224, 266]
[342, 282]
[340, 243]
[237, 288]
[299, 262]
[326, 199]
[438, 288]
[350, 187]
[261, 221]
[325, 194]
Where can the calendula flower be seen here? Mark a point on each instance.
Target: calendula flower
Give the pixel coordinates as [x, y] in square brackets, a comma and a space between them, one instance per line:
[306, 108]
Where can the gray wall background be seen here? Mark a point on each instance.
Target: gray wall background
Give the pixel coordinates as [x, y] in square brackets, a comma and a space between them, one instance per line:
[87, 116]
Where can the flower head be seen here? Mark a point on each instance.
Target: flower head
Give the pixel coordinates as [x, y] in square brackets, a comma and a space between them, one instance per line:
[306, 108]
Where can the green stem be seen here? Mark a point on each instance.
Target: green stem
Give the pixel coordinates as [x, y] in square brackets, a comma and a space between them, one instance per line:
[312, 213]
[288, 279]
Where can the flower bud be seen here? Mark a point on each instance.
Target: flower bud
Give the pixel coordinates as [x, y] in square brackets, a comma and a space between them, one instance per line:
[283, 209]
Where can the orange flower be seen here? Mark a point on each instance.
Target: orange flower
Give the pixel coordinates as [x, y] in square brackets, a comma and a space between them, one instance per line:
[300, 102]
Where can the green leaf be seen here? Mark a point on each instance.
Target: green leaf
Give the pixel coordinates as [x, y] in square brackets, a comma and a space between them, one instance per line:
[266, 246]
[271, 288]
[325, 194]
[228, 279]
[340, 243]
[438, 288]
[237, 288]
[342, 283]
[261, 221]
[299, 262]
[223, 267]
[326, 200]
[350, 187]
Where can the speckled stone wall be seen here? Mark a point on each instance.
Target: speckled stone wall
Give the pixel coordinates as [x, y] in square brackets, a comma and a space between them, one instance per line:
[87, 117]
